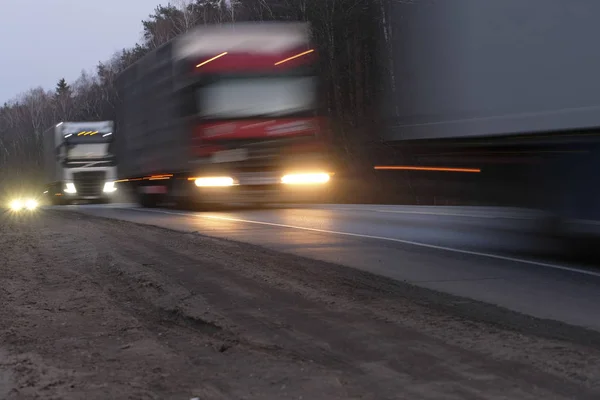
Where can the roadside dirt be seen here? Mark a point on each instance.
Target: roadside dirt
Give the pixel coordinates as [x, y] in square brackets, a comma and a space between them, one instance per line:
[99, 309]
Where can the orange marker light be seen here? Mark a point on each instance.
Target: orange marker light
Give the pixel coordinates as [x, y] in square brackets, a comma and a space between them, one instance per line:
[296, 56]
[412, 168]
[211, 59]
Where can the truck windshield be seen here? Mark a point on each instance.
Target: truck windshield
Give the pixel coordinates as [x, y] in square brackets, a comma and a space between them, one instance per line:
[257, 97]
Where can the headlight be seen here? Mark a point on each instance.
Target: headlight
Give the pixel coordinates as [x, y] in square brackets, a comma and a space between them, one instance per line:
[70, 188]
[109, 187]
[16, 205]
[31, 204]
[305, 179]
[215, 181]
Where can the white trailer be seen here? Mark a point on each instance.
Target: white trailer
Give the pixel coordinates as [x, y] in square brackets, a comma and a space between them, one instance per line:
[79, 162]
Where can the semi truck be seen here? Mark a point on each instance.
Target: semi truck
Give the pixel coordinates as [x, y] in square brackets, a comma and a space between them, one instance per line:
[225, 114]
[506, 89]
[79, 162]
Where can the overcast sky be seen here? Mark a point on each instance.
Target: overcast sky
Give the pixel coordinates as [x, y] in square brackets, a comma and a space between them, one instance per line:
[42, 41]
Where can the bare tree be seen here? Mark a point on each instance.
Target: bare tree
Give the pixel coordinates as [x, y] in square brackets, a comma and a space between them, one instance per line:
[189, 17]
[344, 33]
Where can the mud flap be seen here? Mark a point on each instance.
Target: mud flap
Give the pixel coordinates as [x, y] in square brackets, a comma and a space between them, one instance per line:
[150, 196]
[569, 190]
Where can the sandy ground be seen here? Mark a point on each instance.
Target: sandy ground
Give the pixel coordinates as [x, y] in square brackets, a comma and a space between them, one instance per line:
[101, 309]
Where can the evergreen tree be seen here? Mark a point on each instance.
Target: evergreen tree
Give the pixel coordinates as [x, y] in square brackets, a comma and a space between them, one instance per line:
[62, 88]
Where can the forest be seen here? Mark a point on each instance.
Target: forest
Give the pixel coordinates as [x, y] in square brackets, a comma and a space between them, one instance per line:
[344, 32]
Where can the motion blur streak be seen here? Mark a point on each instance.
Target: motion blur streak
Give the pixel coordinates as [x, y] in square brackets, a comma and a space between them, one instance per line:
[409, 168]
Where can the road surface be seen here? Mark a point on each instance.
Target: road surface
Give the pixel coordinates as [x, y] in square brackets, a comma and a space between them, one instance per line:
[98, 308]
[476, 253]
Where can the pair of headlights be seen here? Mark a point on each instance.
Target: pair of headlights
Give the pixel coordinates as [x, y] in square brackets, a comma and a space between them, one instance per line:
[291, 179]
[24, 204]
[109, 187]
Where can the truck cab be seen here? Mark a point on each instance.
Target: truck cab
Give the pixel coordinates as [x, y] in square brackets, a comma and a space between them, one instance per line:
[226, 114]
[80, 164]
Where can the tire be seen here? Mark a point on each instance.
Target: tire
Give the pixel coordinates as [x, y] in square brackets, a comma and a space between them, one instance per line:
[148, 200]
[58, 201]
[185, 204]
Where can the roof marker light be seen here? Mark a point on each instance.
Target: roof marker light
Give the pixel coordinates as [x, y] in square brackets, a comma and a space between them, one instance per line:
[211, 59]
[296, 56]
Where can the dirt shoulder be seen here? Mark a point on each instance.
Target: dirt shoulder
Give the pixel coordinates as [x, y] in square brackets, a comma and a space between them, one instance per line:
[97, 309]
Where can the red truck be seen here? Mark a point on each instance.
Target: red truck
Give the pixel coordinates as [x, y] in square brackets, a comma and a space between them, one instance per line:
[223, 114]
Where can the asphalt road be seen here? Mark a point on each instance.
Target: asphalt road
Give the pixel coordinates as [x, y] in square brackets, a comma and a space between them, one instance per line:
[477, 253]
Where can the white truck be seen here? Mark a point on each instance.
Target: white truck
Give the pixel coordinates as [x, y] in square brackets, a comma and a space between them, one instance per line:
[79, 162]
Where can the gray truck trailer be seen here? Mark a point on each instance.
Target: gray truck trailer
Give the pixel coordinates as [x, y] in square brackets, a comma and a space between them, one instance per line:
[507, 87]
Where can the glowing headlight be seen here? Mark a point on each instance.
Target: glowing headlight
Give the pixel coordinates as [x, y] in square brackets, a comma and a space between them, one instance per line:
[109, 187]
[305, 179]
[16, 205]
[70, 188]
[31, 204]
[215, 181]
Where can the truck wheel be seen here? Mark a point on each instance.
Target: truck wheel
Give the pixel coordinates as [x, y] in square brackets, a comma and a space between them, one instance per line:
[185, 204]
[148, 200]
[57, 201]
[181, 193]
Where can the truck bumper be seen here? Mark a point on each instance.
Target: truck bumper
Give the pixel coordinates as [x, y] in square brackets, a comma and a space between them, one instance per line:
[264, 194]
[87, 199]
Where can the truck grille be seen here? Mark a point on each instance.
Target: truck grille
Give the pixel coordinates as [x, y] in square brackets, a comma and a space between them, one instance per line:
[266, 154]
[89, 183]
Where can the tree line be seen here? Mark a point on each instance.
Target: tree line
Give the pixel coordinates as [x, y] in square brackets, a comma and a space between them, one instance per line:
[344, 32]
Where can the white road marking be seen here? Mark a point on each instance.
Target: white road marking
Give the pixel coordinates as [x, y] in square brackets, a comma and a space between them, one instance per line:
[441, 213]
[403, 241]
[486, 213]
